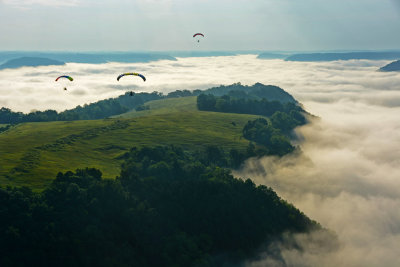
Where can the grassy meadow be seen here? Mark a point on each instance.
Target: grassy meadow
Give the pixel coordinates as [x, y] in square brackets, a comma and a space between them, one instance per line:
[31, 154]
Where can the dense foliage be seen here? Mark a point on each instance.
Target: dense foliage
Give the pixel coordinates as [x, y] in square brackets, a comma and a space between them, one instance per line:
[264, 133]
[274, 134]
[240, 102]
[166, 208]
[256, 91]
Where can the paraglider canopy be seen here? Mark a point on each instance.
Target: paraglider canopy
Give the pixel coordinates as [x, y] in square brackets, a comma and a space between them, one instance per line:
[65, 76]
[131, 73]
[198, 34]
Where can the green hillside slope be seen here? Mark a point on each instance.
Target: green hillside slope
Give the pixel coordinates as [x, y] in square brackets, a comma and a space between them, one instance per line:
[33, 153]
[164, 106]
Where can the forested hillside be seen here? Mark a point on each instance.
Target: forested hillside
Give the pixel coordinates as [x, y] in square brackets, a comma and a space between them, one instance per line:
[166, 208]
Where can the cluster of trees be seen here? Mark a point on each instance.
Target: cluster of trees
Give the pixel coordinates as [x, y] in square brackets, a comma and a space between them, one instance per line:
[256, 91]
[167, 208]
[240, 102]
[264, 133]
[274, 134]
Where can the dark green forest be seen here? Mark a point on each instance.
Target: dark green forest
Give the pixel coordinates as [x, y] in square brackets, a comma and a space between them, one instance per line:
[167, 208]
[240, 102]
[273, 135]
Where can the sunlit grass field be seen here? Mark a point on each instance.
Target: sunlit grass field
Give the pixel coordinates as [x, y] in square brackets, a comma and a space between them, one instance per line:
[31, 154]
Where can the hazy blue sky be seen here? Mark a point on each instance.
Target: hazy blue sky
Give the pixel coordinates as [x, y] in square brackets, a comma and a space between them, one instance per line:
[227, 24]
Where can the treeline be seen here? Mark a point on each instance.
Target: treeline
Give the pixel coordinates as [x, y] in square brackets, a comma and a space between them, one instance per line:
[167, 208]
[240, 102]
[256, 91]
[273, 134]
[115, 106]
[98, 110]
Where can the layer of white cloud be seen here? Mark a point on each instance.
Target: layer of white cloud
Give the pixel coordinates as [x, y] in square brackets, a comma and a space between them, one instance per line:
[347, 177]
[349, 82]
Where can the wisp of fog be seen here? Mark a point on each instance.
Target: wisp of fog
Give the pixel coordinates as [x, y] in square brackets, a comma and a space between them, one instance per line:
[347, 175]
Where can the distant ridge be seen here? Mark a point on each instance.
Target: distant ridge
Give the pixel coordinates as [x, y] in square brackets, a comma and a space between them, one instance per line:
[93, 58]
[29, 62]
[344, 56]
[201, 53]
[272, 56]
[394, 66]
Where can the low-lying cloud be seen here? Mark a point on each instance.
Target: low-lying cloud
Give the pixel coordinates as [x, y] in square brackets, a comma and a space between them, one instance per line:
[347, 176]
[30, 88]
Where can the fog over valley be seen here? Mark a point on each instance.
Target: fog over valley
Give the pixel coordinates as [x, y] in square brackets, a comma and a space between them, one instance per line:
[346, 175]
[28, 88]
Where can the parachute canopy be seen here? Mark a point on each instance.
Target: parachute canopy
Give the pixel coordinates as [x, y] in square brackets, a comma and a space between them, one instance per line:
[196, 34]
[65, 76]
[131, 73]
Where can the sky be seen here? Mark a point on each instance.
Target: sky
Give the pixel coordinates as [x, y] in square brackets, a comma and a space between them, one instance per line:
[143, 25]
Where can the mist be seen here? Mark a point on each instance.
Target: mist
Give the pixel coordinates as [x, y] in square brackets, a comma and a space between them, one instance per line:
[346, 175]
[29, 88]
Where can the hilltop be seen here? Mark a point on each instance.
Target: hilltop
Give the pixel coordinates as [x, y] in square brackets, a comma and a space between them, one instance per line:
[130, 101]
[29, 62]
[40, 144]
[33, 153]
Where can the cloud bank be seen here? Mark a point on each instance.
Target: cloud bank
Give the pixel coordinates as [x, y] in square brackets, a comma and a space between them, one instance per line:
[348, 179]
[347, 176]
[30, 88]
